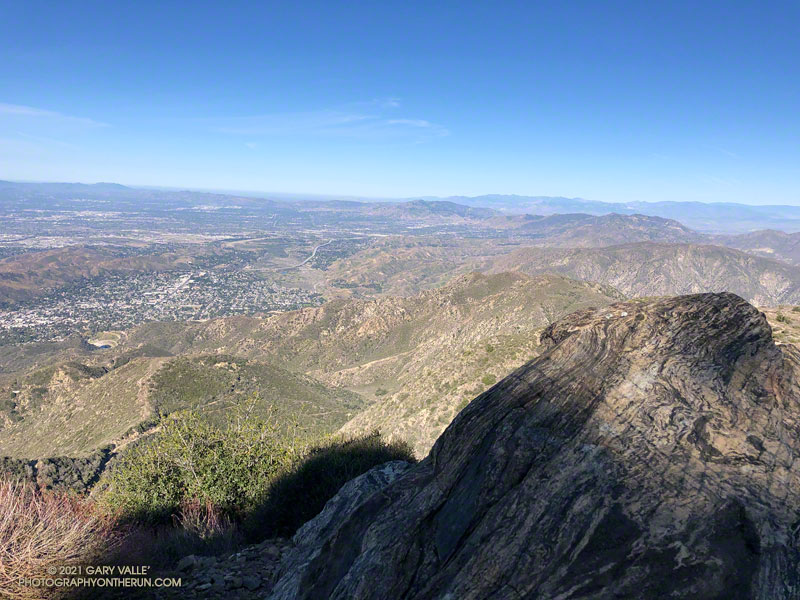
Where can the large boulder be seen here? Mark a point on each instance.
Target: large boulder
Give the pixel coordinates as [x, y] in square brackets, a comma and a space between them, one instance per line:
[650, 452]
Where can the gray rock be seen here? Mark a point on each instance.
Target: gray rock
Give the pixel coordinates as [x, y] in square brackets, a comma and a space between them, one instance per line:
[187, 563]
[251, 582]
[651, 451]
[308, 538]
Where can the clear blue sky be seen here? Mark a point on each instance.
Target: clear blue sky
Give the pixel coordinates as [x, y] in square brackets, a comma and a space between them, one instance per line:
[612, 101]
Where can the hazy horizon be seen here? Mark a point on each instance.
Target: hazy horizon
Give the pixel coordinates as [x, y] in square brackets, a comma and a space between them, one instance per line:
[355, 197]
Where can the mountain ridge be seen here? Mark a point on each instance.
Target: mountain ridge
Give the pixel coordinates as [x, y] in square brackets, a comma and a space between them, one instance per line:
[666, 270]
[711, 217]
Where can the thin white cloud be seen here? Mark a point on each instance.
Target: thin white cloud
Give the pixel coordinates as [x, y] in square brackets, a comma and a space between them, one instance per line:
[290, 123]
[721, 181]
[724, 151]
[47, 140]
[411, 122]
[389, 102]
[364, 121]
[19, 111]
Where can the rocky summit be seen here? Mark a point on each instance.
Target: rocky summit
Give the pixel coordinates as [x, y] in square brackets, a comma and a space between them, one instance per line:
[651, 451]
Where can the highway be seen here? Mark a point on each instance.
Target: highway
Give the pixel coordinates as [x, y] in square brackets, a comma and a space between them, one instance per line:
[309, 257]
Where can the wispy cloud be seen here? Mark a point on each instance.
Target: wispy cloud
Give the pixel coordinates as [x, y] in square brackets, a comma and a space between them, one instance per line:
[720, 181]
[724, 151]
[389, 102]
[20, 112]
[365, 121]
[47, 140]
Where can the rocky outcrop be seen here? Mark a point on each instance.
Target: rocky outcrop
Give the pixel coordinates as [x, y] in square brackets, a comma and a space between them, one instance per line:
[650, 452]
[326, 524]
[250, 573]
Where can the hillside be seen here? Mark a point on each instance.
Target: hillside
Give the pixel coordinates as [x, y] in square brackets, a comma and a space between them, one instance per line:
[74, 408]
[588, 231]
[768, 243]
[665, 270]
[404, 266]
[417, 358]
[651, 451]
[34, 273]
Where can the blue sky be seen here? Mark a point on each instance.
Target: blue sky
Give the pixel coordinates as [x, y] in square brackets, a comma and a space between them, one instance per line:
[614, 101]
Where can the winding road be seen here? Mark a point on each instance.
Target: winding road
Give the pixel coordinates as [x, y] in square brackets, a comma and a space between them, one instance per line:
[310, 256]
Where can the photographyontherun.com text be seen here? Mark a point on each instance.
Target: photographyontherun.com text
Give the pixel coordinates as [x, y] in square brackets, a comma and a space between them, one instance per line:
[103, 576]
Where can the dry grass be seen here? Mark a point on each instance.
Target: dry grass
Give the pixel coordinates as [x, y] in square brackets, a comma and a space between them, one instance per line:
[198, 528]
[40, 530]
[202, 519]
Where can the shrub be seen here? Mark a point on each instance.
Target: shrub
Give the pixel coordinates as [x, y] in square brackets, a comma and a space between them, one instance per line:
[796, 309]
[41, 529]
[381, 392]
[195, 488]
[76, 474]
[299, 494]
[191, 460]
[781, 318]
[488, 379]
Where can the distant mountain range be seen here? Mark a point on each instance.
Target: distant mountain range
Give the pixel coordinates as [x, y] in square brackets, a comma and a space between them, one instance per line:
[714, 217]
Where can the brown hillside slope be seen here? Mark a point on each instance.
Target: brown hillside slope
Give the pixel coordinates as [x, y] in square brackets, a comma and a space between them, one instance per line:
[406, 266]
[418, 358]
[590, 231]
[766, 242]
[649, 269]
[31, 274]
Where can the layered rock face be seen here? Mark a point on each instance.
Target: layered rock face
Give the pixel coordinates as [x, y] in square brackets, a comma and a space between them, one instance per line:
[650, 452]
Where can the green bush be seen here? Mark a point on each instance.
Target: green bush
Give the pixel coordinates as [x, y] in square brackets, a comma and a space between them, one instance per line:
[488, 379]
[190, 459]
[248, 472]
[781, 318]
[300, 493]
